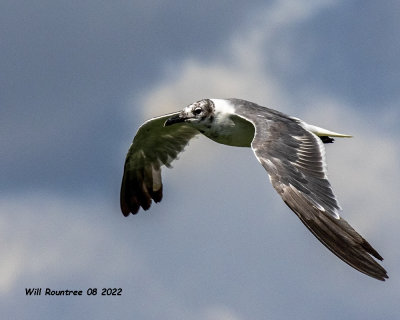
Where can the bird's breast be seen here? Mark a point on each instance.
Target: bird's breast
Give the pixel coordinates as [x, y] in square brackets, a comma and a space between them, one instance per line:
[235, 131]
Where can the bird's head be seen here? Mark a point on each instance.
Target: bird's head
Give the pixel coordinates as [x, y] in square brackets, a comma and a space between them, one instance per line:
[198, 114]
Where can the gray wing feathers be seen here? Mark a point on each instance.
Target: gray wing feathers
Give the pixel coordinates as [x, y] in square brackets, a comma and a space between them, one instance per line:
[295, 161]
[336, 234]
[153, 146]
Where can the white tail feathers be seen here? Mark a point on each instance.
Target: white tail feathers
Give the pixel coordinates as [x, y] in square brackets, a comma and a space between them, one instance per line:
[323, 132]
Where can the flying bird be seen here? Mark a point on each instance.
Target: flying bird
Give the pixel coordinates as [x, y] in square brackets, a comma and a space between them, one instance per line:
[291, 151]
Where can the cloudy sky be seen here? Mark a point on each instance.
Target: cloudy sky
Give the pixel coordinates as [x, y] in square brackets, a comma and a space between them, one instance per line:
[77, 80]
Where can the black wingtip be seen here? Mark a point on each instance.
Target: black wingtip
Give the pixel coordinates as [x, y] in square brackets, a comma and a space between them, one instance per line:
[157, 195]
[130, 206]
[371, 250]
[136, 194]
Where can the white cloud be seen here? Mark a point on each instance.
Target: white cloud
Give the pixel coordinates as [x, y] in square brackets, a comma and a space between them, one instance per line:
[64, 243]
[39, 248]
[239, 71]
[220, 313]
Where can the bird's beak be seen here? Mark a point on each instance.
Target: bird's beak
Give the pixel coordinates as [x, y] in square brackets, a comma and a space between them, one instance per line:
[174, 119]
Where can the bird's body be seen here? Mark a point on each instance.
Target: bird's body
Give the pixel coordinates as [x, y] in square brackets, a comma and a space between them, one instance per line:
[289, 149]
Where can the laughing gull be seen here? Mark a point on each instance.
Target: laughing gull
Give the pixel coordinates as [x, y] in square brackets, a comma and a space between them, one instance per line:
[291, 151]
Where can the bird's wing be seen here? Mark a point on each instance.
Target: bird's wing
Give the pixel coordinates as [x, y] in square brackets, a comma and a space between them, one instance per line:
[295, 161]
[153, 146]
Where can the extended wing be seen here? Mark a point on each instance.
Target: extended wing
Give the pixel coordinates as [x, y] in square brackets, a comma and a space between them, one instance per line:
[153, 146]
[295, 161]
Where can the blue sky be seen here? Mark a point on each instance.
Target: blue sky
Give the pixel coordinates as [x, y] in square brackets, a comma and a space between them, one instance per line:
[77, 80]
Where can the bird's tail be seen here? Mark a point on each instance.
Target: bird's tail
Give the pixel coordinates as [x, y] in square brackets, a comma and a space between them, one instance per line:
[323, 132]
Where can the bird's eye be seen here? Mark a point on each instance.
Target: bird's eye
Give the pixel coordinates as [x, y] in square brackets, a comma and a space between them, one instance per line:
[197, 111]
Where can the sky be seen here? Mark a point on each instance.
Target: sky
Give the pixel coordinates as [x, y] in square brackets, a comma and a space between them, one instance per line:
[77, 80]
